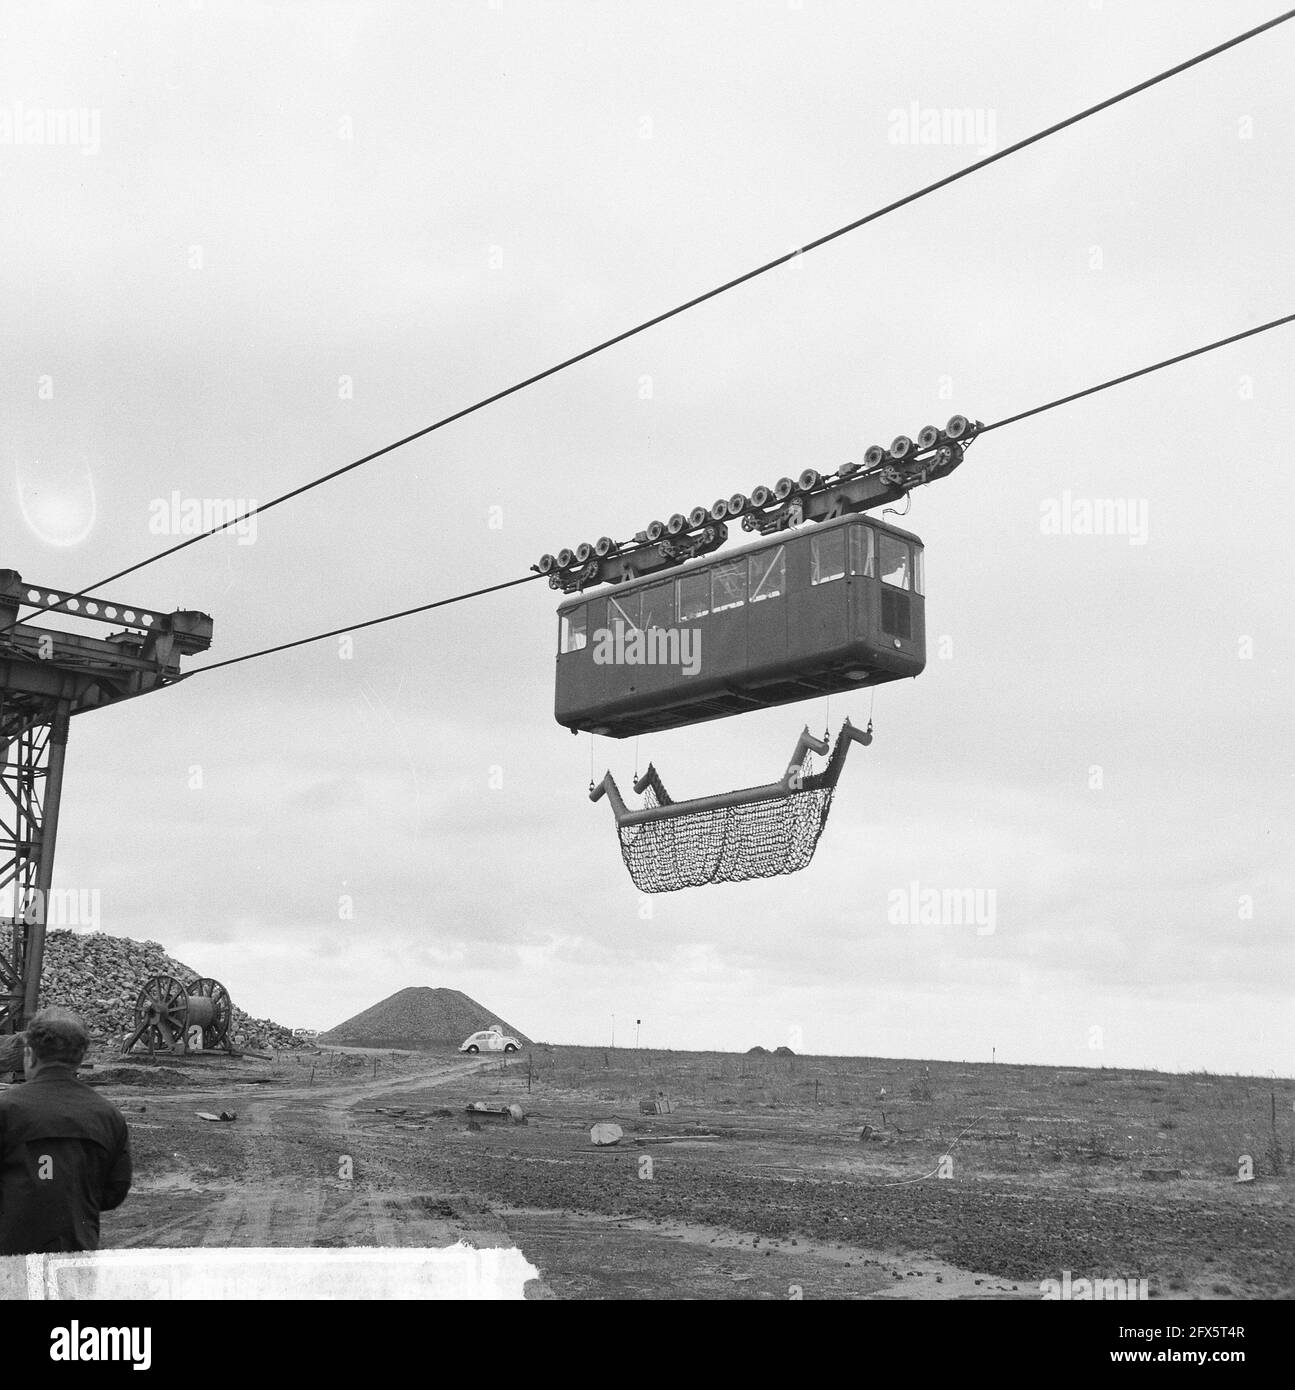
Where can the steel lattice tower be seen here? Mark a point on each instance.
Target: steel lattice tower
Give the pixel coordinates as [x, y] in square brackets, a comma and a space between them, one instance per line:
[46, 676]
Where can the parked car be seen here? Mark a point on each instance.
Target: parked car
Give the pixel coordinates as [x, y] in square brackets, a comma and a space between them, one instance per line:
[489, 1040]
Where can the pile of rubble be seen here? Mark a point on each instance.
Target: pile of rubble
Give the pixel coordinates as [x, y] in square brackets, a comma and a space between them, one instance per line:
[100, 977]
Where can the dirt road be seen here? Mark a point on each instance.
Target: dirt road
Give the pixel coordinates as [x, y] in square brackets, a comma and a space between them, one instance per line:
[275, 1176]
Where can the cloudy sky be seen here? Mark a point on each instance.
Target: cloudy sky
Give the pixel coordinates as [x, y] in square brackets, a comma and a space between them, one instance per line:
[277, 236]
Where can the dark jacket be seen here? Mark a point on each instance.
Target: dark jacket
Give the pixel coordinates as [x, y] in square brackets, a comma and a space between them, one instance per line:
[64, 1158]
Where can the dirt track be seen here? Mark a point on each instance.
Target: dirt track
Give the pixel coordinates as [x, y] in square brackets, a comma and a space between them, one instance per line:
[258, 1189]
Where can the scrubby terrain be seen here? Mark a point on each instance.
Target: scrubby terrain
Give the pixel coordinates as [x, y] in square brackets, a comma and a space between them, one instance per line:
[769, 1174]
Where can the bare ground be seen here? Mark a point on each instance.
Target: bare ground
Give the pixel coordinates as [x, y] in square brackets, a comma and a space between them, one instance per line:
[758, 1185]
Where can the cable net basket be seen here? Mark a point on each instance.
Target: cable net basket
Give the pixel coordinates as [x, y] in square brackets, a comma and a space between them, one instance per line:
[725, 844]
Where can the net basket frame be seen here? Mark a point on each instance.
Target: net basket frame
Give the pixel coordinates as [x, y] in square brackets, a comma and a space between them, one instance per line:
[729, 837]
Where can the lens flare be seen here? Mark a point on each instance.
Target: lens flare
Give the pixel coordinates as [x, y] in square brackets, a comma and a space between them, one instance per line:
[58, 511]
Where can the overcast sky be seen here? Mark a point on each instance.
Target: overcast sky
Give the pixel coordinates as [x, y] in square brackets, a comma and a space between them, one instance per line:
[279, 236]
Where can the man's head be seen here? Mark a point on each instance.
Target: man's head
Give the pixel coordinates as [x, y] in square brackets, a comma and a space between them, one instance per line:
[55, 1035]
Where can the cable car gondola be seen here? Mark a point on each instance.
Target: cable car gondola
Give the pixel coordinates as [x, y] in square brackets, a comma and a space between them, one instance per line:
[788, 617]
[662, 633]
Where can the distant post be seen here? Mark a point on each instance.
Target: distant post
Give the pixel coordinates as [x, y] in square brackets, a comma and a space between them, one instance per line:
[1275, 1148]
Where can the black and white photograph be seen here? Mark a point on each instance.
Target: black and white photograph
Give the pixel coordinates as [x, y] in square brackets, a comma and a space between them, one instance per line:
[646, 656]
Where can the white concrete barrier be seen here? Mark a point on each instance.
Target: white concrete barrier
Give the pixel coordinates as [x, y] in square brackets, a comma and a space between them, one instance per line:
[455, 1272]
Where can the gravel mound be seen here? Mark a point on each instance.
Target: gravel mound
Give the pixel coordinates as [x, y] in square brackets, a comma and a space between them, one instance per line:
[99, 976]
[418, 1017]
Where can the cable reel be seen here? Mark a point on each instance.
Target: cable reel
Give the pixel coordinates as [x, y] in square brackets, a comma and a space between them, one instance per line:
[173, 1017]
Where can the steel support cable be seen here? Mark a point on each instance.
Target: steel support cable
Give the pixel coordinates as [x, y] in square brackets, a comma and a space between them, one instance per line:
[356, 627]
[642, 327]
[527, 578]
